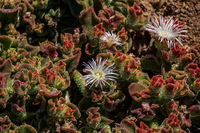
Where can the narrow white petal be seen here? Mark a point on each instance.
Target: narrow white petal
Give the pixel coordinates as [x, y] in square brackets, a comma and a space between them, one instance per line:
[166, 30]
[98, 73]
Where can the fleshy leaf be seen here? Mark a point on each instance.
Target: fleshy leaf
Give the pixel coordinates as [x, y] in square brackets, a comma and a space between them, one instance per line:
[8, 15]
[80, 82]
[96, 95]
[173, 121]
[95, 120]
[138, 91]
[146, 112]
[6, 67]
[3, 98]
[47, 93]
[4, 123]
[195, 111]
[65, 127]
[26, 129]
[2, 80]
[58, 109]
[127, 126]
[86, 3]
[88, 20]
[72, 62]
[143, 128]
[49, 49]
[106, 129]
[134, 18]
[110, 18]
[111, 101]
[6, 42]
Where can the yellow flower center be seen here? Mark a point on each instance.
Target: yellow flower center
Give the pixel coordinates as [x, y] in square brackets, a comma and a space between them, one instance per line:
[165, 34]
[98, 74]
[110, 42]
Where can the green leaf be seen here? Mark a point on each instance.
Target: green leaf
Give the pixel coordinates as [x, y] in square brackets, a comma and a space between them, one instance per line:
[80, 82]
[6, 42]
[85, 3]
[8, 15]
[6, 67]
[26, 129]
[104, 121]
[72, 62]
[88, 20]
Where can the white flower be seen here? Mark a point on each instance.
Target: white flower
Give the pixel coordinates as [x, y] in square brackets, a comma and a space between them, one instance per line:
[111, 38]
[98, 73]
[167, 31]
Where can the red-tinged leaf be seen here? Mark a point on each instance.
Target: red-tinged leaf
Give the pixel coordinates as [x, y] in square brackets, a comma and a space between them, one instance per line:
[143, 128]
[123, 34]
[192, 69]
[184, 116]
[2, 80]
[134, 18]
[173, 121]
[171, 106]
[169, 130]
[21, 88]
[195, 111]
[109, 104]
[77, 113]
[49, 49]
[110, 18]
[96, 95]
[26, 129]
[145, 111]
[171, 87]
[128, 126]
[138, 91]
[88, 20]
[98, 30]
[156, 84]
[165, 55]
[86, 3]
[135, 11]
[177, 51]
[6, 67]
[104, 121]
[72, 62]
[47, 93]
[179, 75]
[111, 101]
[6, 42]
[95, 120]
[58, 109]
[90, 48]
[30, 19]
[9, 15]
[5, 123]
[27, 66]
[3, 98]
[64, 127]
[108, 56]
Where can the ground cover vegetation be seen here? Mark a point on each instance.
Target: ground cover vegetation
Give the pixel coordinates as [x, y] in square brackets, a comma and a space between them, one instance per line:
[69, 66]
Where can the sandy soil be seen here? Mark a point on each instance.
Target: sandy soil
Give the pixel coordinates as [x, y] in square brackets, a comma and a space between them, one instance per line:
[187, 11]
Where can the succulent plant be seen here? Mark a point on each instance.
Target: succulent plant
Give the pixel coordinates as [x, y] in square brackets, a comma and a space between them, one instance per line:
[166, 31]
[45, 86]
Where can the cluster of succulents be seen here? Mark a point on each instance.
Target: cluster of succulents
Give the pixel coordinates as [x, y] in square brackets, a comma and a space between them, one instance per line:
[67, 66]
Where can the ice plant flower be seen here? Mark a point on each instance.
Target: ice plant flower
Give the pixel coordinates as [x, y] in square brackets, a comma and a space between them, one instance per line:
[166, 31]
[111, 39]
[98, 73]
